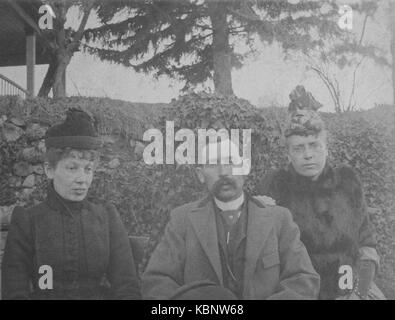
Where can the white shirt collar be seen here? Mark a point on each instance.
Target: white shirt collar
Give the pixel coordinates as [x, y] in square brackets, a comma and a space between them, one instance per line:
[231, 205]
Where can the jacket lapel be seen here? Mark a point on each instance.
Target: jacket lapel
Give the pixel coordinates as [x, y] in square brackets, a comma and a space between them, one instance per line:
[203, 221]
[258, 230]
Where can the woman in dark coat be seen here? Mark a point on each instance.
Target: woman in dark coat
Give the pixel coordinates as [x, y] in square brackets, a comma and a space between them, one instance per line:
[328, 205]
[67, 247]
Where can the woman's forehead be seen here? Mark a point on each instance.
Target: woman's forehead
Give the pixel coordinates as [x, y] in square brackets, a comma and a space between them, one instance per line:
[295, 139]
[79, 156]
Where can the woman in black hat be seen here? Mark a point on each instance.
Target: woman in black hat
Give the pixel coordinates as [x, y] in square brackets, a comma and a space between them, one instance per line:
[67, 247]
[328, 205]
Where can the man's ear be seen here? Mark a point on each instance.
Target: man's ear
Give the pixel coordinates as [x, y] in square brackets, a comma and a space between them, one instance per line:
[49, 171]
[288, 158]
[200, 175]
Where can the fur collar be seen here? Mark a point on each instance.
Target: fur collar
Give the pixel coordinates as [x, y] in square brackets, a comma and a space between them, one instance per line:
[341, 178]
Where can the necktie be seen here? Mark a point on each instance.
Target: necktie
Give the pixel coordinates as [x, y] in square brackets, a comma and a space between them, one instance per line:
[231, 216]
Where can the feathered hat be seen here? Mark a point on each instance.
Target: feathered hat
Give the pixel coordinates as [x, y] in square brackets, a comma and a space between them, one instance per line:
[304, 119]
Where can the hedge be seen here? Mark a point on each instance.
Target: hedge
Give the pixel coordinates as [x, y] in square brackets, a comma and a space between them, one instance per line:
[144, 194]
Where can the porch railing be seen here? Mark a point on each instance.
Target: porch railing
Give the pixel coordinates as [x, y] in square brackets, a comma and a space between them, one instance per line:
[10, 88]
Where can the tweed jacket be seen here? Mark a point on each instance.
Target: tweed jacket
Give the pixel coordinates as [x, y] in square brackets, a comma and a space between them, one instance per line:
[277, 265]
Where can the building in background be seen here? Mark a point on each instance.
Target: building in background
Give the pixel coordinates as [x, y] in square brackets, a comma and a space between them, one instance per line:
[21, 43]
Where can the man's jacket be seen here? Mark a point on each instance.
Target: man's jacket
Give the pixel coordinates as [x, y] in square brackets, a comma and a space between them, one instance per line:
[277, 265]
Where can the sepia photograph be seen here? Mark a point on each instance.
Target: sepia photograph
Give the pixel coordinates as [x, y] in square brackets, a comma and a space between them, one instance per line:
[197, 150]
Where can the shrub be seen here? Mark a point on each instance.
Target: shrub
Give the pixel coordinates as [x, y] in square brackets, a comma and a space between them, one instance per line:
[145, 194]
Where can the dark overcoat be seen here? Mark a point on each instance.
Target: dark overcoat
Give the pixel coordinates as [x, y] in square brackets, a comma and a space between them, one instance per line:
[84, 244]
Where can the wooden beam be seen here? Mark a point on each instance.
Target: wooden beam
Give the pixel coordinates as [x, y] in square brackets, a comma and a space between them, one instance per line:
[20, 59]
[29, 21]
[26, 18]
[392, 19]
[30, 60]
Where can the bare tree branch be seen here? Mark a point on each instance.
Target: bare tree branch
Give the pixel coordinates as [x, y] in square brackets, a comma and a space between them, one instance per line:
[80, 32]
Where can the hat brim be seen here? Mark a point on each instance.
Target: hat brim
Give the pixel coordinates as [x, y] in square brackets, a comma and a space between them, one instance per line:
[75, 142]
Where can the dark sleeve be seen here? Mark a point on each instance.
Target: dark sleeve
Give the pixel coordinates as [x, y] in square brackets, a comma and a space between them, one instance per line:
[17, 265]
[298, 278]
[121, 271]
[369, 259]
[367, 234]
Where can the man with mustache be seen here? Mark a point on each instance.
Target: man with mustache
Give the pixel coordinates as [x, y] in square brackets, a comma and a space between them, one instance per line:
[229, 245]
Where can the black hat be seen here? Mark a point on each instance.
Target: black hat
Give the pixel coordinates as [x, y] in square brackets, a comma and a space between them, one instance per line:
[77, 131]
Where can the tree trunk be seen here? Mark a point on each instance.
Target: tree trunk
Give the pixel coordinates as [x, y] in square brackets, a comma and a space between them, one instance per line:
[48, 80]
[392, 19]
[54, 77]
[59, 87]
[221, 50]
[63, 50]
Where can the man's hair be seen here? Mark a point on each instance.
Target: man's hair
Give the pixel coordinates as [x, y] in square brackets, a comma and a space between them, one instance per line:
[54, 155]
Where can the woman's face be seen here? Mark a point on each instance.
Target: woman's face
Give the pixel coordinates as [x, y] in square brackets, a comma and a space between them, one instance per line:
[308, 154]
[72, 176]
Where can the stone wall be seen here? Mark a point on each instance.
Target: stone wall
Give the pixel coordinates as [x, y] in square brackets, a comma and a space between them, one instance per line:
[22, 146]
[144, 194]
[22, 170]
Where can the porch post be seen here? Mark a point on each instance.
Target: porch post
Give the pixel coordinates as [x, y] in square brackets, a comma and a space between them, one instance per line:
[30, 60]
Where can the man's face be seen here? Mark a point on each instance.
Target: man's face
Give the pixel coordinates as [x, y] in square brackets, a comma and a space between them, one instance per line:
[72, 177]
[308, 154]
[220, 181]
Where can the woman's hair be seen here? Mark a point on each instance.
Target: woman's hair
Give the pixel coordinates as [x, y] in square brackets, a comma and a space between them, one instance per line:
[323, 132]
[54, 155]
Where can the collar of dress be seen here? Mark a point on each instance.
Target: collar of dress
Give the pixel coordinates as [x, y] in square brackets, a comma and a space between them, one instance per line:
[57, 202]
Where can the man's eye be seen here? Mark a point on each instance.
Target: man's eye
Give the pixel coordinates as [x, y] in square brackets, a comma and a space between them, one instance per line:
[72, 168]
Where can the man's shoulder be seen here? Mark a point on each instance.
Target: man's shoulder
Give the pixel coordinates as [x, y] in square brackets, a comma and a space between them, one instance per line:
[178, 216]
[278, 213]
[187, 207]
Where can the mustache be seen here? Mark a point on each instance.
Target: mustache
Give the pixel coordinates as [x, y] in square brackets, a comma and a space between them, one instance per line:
[224, 181]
